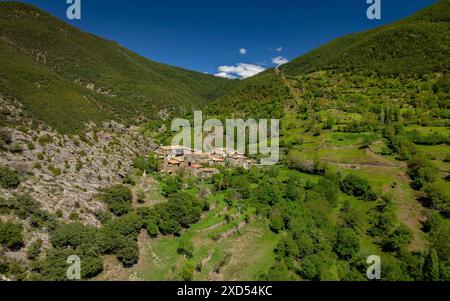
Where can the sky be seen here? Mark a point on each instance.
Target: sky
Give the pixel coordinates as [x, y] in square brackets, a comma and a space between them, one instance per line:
[228, 38]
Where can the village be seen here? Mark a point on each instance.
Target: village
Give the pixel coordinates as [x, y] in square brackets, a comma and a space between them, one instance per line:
[200, 163]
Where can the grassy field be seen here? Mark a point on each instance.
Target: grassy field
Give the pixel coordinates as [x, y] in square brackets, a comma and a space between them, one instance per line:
[228, 250]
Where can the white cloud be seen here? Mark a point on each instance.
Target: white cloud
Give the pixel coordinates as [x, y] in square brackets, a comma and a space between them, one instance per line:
[241, 71]
[243, 51]
[279, 60]
[279, 49]
[225, 75]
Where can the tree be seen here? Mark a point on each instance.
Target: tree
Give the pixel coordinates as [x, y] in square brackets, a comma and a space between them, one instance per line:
[187, 272]
[186, 248]
[347, 243]
[170, 185]
[421, 171]
[308, 269]
[9, 179]
[11, 235]
[400, 238]
[278, 272]
[34, 249]
[358, 187]
[73, 235]
[5, 138]
[436, 198]
[276, 221]
[294, 189]
[118, 198]
[431, 266]
[152, 227]
[128, 254]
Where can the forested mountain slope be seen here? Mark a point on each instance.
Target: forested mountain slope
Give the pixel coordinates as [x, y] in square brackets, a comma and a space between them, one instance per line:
[66, 77]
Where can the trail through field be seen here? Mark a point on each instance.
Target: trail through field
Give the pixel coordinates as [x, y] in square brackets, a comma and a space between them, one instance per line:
[409, 211]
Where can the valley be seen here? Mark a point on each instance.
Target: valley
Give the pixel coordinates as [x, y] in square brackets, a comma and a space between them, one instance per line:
[85, 160]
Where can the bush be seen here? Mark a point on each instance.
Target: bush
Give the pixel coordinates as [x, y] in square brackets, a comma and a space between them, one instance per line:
[436, 198]
[11, 235]
[308, 269]
[402, 146]
[118, 198]
[91, 266]
[186, 248]
[170, 185]
[347, 243]
[150, 164]
[358, 187]
[34, 249]
[73, 235]
[5, 138]
[398, 240]
[187, 272]
[9, 179]
[128, 254]
[422, 171]
[103, 216]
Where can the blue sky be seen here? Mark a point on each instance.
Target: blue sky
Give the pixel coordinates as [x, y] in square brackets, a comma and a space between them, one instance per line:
[204, 35]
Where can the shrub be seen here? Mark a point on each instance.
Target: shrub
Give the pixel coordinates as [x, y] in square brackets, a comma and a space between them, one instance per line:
[308, 269]
[11, 235]
[170, 185]
[398, 240]
[186, 248]
[31, 145]
[187, 272]
[152, 227]
[34, 249]
[73, 235]
[128, 254]
[5, 138]
[45, 139]
[9, 179]
[347, 243]
[402, 146]
[118, 198]
[421, 171]
[358, 187]
[16, 148]
[436, 198]
[103, 216]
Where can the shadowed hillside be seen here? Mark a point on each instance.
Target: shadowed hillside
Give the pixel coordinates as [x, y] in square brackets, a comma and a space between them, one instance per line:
[66, 77]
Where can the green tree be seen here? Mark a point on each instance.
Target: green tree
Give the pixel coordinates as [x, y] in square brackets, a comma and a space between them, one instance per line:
[11, 235]
[347, 243]
[118, 198]
[9, 179]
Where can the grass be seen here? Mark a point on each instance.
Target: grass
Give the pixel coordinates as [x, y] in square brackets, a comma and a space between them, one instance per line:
[213, 241]
[437, 152]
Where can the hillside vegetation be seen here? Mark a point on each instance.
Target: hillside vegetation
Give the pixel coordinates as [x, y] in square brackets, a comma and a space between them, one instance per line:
[66, 77]
[416, 45]
[365, 170]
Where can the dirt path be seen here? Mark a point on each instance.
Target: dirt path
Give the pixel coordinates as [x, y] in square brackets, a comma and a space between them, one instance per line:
[409, 211]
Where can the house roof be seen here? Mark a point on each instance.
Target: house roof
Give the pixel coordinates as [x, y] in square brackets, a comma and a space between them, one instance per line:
[175, 147]
[209, 170]
[173, 162]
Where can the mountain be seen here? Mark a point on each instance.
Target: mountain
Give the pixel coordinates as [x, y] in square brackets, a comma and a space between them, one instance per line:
[66, 77]
[413, 47]
[393, 49]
